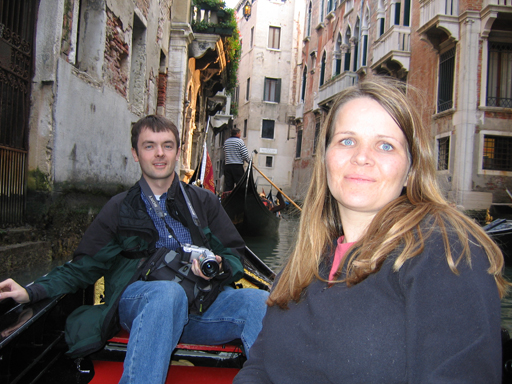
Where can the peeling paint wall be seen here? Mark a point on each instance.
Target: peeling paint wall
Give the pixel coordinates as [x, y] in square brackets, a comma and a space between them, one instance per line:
[88, 88]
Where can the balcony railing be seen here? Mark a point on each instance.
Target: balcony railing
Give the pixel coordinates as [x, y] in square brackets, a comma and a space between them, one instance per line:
[497, 2]
[336, 85]
[429, 9]
[210, 21]
[396, 39]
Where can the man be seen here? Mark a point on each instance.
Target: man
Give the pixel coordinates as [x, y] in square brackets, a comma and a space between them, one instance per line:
[153, 214]
[235, 154]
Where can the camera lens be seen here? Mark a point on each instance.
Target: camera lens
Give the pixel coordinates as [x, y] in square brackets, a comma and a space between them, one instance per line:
[210, 268]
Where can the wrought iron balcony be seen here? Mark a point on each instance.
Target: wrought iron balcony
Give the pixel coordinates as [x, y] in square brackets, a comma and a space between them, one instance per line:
[394, 45]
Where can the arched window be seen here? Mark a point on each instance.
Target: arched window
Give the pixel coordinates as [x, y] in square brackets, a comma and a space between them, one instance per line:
[348, 35]
[304, 79]
[322, 69]
[337, 56]
[322, 11]
[356, 47]
[381, 18]
[364, 35]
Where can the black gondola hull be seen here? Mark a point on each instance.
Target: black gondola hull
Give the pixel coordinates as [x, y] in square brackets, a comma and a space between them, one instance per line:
[247, 211]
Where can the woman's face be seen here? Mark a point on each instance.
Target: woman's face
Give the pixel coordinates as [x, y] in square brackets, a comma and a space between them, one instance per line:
[366, 160]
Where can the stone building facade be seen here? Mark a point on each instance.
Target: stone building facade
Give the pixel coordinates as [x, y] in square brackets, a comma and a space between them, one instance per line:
[267, 78]
[458, 52]
[99, 66]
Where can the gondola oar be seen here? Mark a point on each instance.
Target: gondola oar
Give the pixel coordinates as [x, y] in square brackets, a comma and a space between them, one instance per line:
[276, 187]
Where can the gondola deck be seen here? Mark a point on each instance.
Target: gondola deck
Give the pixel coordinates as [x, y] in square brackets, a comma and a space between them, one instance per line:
[32, 344]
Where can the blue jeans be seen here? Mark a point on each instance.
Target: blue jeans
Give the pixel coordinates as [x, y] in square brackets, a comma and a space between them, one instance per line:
[156, 315]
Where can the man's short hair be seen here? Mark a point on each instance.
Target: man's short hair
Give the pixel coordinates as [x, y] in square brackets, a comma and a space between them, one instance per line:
[234, 132]
[156, 124]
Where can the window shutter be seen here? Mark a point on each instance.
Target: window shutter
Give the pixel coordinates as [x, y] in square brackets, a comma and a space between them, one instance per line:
[278, 91]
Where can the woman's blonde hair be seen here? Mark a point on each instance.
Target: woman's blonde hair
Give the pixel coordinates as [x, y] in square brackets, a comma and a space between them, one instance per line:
[397, 224]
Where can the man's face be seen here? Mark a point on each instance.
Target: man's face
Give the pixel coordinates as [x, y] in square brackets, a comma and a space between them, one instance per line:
[157, 154]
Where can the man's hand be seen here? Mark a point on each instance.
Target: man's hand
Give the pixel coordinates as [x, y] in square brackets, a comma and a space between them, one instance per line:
[10, 288]
[197, 270]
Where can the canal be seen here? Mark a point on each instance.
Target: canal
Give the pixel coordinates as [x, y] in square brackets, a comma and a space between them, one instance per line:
[274, 251]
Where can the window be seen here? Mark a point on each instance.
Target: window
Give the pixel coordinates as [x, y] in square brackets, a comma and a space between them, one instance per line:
[267, 129]
[443, 153]
[237, 93]
[247, 91]
[322, 11]
[322, 70]
[348, 34]
[308, 30]
[499, 75]
[274, 37]
[446, 76]
[304, 79]
[317, 132]
[407, 13]
[298, 147]
[272, 90]
[402, 8]
[252, 36]
[89, 38]
[356, 46]
[366, 27]
[138, 66]
[397, 13]
[365, 50]
[330, 6]
[269, 161]
[381, 18]
[337, 56]
[497, 153]
[245, 128]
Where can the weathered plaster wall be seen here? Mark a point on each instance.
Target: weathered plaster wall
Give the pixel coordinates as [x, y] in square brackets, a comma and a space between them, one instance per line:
[92, 139]
[81, 111]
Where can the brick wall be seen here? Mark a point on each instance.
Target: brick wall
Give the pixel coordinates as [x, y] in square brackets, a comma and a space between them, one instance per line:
[116, 55]
[67, 25]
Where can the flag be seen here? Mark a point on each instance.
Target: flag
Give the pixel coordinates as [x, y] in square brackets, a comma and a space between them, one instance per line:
[207, 171]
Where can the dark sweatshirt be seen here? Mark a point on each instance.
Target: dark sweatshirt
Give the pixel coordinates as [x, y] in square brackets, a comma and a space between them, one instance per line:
[422, 324]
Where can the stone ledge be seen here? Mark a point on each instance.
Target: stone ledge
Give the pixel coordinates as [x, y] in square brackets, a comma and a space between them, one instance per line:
[23, 256]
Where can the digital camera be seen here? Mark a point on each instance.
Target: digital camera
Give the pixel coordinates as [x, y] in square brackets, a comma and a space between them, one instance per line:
[206, 258]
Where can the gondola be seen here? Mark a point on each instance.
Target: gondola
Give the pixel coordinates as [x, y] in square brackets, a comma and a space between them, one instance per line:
[32, 343]
[246, 209]
[500, 230]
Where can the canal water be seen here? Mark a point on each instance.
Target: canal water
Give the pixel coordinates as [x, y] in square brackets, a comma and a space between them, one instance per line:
[275, 250]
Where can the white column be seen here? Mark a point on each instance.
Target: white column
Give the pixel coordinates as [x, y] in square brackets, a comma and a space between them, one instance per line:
[465, 117]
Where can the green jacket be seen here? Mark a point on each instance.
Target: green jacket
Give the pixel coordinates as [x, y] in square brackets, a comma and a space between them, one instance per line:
[113, 246]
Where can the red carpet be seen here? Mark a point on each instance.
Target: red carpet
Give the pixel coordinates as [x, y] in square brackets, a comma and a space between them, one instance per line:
[107, 372]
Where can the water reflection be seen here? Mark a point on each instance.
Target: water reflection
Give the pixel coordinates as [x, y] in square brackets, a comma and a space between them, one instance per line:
[274, 250]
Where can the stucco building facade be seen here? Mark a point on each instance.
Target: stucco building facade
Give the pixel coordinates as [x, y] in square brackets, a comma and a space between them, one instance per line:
[268, 76]
[99, 66]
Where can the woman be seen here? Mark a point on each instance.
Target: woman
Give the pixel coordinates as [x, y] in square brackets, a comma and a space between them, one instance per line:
[385, 284]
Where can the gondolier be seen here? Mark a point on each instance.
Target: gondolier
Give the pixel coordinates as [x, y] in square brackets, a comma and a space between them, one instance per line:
[235, 154]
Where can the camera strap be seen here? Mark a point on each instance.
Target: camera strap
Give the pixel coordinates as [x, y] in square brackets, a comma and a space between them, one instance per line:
[159, 211]
[156, 206]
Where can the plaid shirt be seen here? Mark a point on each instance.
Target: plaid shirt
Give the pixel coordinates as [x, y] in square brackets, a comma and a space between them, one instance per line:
[166, 239]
